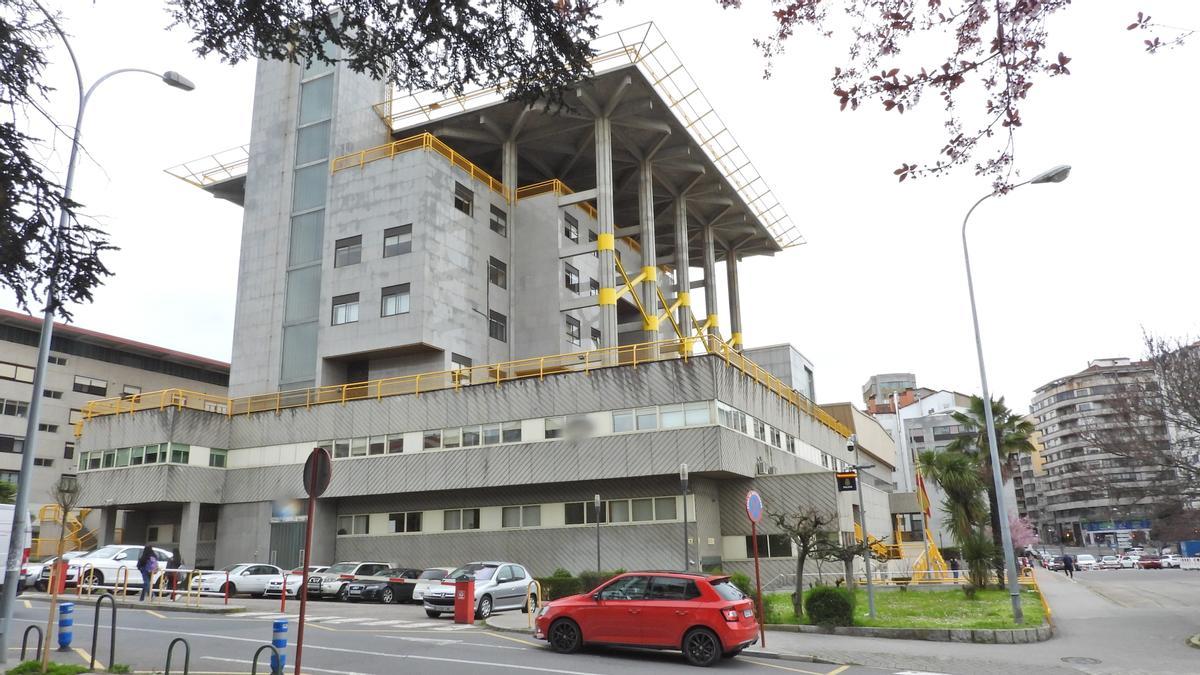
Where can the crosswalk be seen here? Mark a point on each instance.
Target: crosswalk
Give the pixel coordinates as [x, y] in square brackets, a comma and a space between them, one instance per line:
[356, 621]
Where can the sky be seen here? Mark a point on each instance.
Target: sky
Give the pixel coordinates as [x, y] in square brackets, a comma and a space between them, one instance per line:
[1064, 273]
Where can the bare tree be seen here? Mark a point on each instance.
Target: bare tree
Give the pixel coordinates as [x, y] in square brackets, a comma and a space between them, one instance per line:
[844, 552]
[807, 528]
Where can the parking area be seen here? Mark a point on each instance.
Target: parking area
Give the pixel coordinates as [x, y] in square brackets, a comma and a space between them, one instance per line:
[1145, 588]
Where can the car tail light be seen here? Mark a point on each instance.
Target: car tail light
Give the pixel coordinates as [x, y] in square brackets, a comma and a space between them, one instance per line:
[25, 557]
[730, 614]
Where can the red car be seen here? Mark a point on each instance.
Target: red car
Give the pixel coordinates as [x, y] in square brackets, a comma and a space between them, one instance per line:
[705, 616]
[1149, 562]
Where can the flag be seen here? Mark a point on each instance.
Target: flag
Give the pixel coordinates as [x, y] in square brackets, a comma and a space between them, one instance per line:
[922, 495]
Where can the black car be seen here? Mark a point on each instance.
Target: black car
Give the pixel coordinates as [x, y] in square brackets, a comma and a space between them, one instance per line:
[389, 586]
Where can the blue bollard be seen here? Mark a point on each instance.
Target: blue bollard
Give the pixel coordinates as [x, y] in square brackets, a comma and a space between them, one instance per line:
[279, 640]
[66, 623]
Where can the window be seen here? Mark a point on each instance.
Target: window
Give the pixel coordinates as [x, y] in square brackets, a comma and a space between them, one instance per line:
[570, 227]
[358, 447]
[464, 199]
[359, 524]
[432, 440]
[573, 330]
[618, 511]
[395, 443]
[451, 438]
[14, 408]
[42, 461]
[497, 272]
[130, 390]
[48, 428]
[571, 277]
[672, 416]
[647, 418]
[770, 546]
[643, 509]
[394, 300]
[218, 458]
[499, 221]
[11, 444]
[397, 240]
[491, 434]
[377, 445]
[622, 421]
[404, 522]
[345, 309]
[595, 338]
[554, 426]
[68, 451]
[593, 287]
[460, 362]
[56, 360]
[88, 385]
[672, 588]
[50, 393]
[664, 508]
[697, 414]
[593, 238]
[510, 432]
[627, 588]
[460, 519]
[341, 449]
[497, 326]
[11, 371]
[573, 513]
[179, 453]
[470, 437]
[10, 477]
[521, 516]
[347, 251]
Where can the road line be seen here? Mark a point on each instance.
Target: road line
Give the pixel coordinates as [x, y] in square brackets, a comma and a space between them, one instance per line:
[837, 670]
[154, 613]
[443, 643]
[87, 658]
[779, 667]
[511, 638]
[28, 604]
[315, 670]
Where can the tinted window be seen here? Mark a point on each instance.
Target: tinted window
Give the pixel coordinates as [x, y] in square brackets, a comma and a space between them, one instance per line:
[672, 588]
[433, 574]
[728, 591]
[627, 588]
[518, 573]
[480, 572]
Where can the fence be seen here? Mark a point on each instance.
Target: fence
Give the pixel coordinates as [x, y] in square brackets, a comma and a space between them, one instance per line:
[90, 580]
[1190, 563]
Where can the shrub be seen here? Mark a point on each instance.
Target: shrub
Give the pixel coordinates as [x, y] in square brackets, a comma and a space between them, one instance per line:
[557, 586]
[830, 606]
[560, 572]
[591, 579]
[31, 667]
[743, 582]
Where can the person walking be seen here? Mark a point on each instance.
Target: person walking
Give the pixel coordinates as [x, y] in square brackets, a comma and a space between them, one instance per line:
[1069, 565]
[173, 566]
[954, 567]
[147, 563]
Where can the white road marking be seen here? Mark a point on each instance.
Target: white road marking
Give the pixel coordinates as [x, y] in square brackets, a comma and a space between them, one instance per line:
[350, 619]
[917, 672]
[456, 626]
[308, 668]
[444, 642]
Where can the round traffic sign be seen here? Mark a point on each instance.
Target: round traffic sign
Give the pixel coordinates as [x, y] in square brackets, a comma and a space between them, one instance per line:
[754, 506]
[317, 472]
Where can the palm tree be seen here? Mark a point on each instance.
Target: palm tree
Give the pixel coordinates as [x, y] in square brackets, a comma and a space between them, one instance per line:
[1012, 436]
[958, 475]
[8, 492]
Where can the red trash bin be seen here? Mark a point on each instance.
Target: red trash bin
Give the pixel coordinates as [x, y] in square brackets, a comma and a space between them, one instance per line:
[464, 599]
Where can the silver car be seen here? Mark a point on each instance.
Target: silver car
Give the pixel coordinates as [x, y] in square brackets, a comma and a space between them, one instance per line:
[498, 586]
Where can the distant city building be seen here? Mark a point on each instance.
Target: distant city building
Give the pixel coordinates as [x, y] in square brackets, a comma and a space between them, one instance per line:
[1025, 482]
[1083, 496]
[789, 365]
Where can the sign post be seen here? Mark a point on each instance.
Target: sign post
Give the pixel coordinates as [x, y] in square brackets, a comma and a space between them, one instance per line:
[754, 509]
[847, 481]
[317, 472]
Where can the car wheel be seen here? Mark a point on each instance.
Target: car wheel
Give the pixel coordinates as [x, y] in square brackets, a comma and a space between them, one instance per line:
[40, 587]
[343, 593]
[701, 647]
[387, 597]
[565, 637]
[432, 614]
[485, 607]
[92, 578]
[531, 601]
[229, 589]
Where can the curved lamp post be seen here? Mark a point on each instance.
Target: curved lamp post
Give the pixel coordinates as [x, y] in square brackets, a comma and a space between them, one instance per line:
[21, 506]
[1056, 175]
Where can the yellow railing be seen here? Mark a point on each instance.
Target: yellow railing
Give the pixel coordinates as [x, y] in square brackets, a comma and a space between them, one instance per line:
[557, 187]
[495, 374]
[424, 141]
[879, 548]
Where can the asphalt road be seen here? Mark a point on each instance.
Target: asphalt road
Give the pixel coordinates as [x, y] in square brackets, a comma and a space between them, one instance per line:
[345, 638]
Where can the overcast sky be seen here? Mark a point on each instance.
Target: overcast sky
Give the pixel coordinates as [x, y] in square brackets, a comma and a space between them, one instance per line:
[1064, 273]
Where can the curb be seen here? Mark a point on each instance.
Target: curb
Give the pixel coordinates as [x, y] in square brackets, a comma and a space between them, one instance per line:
[489, 622]
[795, 658]
[134, 604]
[977, 636]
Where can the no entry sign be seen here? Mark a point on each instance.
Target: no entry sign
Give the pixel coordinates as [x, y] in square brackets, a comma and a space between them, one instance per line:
[754, 506]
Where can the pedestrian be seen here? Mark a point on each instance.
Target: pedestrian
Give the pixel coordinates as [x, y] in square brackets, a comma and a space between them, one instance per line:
[173, 566]
[954, 567]
[147, 563]
[1069, 565]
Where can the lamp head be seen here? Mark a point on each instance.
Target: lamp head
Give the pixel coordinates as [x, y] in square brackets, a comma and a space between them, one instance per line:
[1056, 175]
[683, 472]
[174, 79]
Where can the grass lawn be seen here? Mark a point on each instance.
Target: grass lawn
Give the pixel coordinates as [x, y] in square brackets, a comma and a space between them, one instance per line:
[925, 609]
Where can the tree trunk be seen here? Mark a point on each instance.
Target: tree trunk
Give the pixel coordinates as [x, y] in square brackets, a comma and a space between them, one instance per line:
[848, 565]
[996, 539]
[798, 596]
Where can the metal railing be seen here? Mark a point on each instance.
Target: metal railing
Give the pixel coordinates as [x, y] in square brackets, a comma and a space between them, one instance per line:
[423, 141]
[494, 374]
[215, 168]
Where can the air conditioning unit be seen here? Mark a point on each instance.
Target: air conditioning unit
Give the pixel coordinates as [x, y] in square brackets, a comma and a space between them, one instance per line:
[760, 467]
[771, 470]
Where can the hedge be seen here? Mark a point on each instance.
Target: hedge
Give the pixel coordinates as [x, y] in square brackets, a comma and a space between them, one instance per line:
[830, 606]
[557, 587]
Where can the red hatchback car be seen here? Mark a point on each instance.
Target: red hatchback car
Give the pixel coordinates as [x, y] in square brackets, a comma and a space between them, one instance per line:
[705, 616]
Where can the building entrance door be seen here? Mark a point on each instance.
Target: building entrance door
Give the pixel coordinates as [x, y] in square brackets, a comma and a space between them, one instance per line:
[287, 544]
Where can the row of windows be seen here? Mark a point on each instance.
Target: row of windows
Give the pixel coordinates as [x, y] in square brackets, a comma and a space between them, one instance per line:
[14, 408]
[732, 418]
[155, 453]
[393, 300]
[464, 200]
[396, 241]
[620, 511]
[17, 446]
[11, 371]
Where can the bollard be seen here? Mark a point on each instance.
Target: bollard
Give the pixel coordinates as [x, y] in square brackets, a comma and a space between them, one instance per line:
[37, 652]
[66, 623]
[254, 660]
[279, 641]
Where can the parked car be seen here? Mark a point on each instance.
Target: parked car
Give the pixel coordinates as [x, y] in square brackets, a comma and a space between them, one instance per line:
[1149, 562]
[103, 565]
[431, 577]
[249, 578]
[389, 586]
[498, 586]
[1129, 561]
[1110, 562]
[1055, 564]
[1172, 560]
[334, 582]
[706, 617]
[295, 580]
[39, 573]
[1085, 562]
[7, 514]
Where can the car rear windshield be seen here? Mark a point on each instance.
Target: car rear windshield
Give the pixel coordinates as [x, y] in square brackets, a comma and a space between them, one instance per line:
[480, 572]
[728, 591]
[433, 574]
[341, 568]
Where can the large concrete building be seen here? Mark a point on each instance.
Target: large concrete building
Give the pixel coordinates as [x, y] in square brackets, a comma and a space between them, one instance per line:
[483, 310]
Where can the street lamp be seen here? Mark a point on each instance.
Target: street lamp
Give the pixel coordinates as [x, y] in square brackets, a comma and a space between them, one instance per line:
[860, 471]
[1056, 175]
[683, 484]
[21, 505]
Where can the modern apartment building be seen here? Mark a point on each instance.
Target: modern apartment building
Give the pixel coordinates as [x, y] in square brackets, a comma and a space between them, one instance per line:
[84, 365]
[1031, 470]
[482, 309]
[1084, 494]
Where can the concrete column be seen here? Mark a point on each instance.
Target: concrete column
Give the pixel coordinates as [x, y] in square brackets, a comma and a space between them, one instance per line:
[710, 278]
[683, 282]
[606, 241]
[106, 532]
[508, 175]
[189, 530]
[649, 289]
[735, 303]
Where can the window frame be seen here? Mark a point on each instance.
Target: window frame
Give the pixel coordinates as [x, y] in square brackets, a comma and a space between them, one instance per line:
[403, 243]
[350, 303]
[497, 272]
[403, 298]
[464, 199]
[347, 251]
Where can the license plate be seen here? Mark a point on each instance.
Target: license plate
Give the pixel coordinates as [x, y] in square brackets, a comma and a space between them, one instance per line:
[747, 613]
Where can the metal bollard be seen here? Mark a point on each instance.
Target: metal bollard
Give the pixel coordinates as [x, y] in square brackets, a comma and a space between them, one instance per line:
[254, 660]
[187, 655]
[66, 623]
[37, 652]
[279, 641]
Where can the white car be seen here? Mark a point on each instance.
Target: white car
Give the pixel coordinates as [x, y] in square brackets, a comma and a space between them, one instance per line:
[249, 578]
[498, 586]
[1129, 561]
[1171, 560]
[333, 582]
[430, 578]
[295, 580]
[1110, 562]
[1086, 562]
[102, 565]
